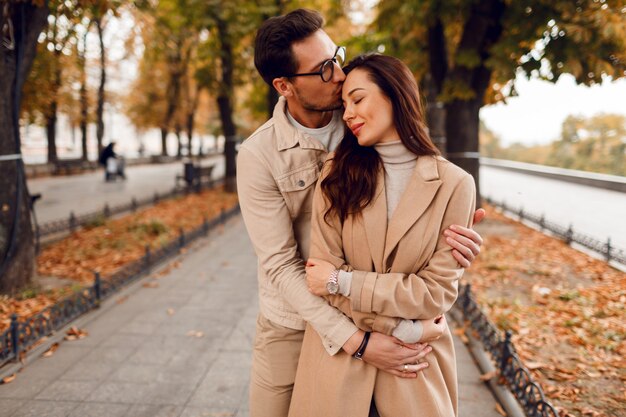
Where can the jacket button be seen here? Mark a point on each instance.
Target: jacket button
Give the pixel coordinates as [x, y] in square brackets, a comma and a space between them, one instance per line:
[301, 183]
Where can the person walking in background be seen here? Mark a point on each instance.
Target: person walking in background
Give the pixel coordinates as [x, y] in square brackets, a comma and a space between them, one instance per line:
[278, 167]
[114, 164]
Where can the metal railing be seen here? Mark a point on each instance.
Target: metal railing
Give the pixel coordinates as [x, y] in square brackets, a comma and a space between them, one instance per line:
[74, 222]
[518, 378]
[23, 334]
[606, 249]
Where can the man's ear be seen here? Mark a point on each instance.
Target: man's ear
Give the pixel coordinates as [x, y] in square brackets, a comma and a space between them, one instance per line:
[283, 86]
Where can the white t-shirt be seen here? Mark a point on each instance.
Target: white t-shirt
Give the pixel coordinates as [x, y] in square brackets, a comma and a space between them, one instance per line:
[329, 135]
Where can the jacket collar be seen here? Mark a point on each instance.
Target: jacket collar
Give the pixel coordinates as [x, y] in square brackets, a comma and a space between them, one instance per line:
[287, 136]
[383, 236]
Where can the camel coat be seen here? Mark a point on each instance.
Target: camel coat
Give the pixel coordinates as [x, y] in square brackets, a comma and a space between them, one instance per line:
[401, 269]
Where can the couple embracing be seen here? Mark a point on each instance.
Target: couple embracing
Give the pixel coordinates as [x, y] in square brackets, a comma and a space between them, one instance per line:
[361, 229]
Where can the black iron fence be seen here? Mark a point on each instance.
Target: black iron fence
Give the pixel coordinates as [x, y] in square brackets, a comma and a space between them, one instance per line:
[74, 222]
[23, 334]
[510, 367]
[606, 249]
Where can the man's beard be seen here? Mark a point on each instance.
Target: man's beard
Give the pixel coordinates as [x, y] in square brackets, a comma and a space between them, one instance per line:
[306, 104]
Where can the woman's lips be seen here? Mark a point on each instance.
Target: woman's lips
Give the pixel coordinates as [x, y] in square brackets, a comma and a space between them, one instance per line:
[356, 128]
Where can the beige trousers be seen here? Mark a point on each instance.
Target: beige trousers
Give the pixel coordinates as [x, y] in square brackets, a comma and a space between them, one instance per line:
[274, 363]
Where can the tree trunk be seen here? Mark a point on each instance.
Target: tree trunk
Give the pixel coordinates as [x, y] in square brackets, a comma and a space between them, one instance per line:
[462, 137]
[172, 93]
[225, 107]
[190, 127]
[164, 141]
[481, 31]
[103, 75]
[179, 150]
[17, 248]
[191, 116]
[83, 98]
[51, 127]
[272, 94]
[435, 114]
[51, 116]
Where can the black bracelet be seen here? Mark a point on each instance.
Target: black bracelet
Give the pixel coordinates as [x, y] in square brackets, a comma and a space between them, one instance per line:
[361, 350]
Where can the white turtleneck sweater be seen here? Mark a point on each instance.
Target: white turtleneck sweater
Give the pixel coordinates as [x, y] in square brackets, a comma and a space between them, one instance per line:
[398, 163]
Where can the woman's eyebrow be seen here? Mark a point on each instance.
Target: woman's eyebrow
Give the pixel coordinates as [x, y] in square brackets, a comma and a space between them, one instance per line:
[355, 89]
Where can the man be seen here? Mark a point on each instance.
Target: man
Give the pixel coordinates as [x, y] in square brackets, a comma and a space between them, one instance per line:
[278, 167]
[112, 162]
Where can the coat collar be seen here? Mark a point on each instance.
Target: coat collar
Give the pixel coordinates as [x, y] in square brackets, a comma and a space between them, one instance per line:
[287, 136]
[419, 193]
[383, 236]
[375, 222]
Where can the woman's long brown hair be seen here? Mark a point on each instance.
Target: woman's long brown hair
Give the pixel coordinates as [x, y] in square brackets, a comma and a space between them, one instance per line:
[351, 182]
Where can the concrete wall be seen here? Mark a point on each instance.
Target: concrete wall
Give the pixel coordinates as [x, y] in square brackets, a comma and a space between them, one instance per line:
[592, 179]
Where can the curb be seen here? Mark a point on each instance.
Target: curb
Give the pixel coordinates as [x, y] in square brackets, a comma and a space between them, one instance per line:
[506, 399]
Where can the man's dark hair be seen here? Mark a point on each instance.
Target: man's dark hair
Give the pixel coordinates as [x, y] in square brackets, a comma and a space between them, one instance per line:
[273, 56]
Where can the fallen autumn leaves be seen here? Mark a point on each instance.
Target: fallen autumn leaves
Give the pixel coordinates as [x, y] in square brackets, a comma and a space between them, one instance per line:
[108, 247]
[565, 309]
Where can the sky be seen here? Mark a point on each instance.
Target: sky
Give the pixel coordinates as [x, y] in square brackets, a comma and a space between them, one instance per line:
[536, 115]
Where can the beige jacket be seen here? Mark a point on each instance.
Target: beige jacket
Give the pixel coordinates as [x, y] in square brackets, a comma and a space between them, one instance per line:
[277, 169]
[413, 275]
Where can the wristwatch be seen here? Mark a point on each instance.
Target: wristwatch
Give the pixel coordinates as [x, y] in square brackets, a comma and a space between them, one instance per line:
[333, 282]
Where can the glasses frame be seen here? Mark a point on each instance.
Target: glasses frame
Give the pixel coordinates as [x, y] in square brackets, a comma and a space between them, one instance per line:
[320, 73]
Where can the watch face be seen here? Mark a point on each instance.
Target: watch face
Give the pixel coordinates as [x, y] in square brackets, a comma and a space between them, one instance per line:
[332, 287]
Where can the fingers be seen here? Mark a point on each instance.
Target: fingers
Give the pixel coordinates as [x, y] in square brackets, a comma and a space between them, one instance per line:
[421, 355]
[466, 247]
[412, 346]
[467, 237]
[401, 374]
[460, 259]
[467, 233]
[479, 215]
[412, 355]
[413, 367]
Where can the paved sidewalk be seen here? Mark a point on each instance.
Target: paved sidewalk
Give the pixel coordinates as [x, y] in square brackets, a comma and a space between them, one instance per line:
[182, 349]
[89, 192]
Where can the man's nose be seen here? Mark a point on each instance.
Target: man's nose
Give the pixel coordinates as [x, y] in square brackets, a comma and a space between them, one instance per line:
[338, 75]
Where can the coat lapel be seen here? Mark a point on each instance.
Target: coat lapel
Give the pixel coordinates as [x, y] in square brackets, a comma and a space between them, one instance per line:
[418, 195]
[375, 222]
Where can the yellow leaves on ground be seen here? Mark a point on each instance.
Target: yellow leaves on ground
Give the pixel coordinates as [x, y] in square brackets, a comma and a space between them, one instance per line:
[195, 333]
[75, 333]
[9, 379]
[109, 247]
[50, 350]
[565, 309]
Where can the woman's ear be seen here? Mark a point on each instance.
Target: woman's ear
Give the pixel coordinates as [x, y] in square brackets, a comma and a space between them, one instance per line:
[283, 86]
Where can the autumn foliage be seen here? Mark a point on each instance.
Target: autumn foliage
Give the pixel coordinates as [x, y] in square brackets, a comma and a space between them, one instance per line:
[109, 245]
[566, 312]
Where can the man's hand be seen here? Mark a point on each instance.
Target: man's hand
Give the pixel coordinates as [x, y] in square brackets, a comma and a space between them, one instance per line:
[391, 355]
[465, 242]
[317, 274]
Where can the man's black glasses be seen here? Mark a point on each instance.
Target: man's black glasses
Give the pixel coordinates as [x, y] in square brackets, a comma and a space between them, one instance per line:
[327, 69]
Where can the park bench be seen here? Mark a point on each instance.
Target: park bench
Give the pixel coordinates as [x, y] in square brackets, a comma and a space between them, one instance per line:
[68, 166]
[195, 176]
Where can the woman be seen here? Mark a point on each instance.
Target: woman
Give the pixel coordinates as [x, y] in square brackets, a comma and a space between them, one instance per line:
[379, 211]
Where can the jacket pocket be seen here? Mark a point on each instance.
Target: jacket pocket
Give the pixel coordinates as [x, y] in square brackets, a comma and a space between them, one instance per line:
[298, 187]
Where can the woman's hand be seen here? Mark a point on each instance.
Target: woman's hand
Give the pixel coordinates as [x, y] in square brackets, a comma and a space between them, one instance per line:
[433, 329]
[465, 242]
[317, 274]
